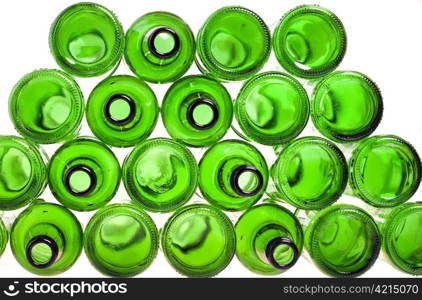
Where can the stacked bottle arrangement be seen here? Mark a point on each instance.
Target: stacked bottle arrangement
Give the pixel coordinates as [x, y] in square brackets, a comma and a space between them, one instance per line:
[272, 108]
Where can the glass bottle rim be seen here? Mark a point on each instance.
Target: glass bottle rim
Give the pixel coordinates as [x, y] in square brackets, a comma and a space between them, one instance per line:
[340, 163]
[229, 249]
[316, 72]
[355, 213]
[243, 119]
[355, 175]
[96, 69]
[327, 130]
[204, 59]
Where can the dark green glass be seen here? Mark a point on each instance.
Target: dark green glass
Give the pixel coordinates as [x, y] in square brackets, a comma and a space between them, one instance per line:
[122, 111]
[269, 239]
[121, 240]
[23, 172]
[84, 174]
[46, 239]
[343, 240]
[4, 237]
[160, 174]
[385, 171]
[198, 241]
[160, 47]
[233, 175]
[86, 39]
[402, 237]
[272, 108]
[309, 41]
[47, 106]
[310, 173]
[233, 44]
[346, 106]
[197, 111]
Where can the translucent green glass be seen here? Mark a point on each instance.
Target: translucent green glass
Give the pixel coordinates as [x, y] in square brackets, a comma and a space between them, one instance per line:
[272, 108]
[310, 173]
[121, 240]
[233, 44]
[86, 40]
[122, 111]
[385, 171]
[402, 237]
[346, 106]
[47, 106]
[4, 237]
[84, 174]
[309, 41]
[269, 239]
[197, 111]
[233, 175]
[160, 47]
[198, 241]
[343, 240]
[46, 239]
[160, 174]
[23, 172]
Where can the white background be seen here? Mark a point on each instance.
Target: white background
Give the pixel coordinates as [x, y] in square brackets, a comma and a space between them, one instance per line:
[384, 42]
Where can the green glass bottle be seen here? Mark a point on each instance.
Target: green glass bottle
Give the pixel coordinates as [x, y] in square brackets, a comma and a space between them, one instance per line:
[84, 174]
[86, 39]
[310, 173]
[4, 237]
[346, 106]
[198, 241]
[46, 239]
[233, 175]
[23, 172]
[272, 108]
[122, 111]
[233, 44]
[197, 111]
[343, 240]
[160, 47]
[121, 240]
[160, 174]
[269, 239]
[402, 237]
[385, 171]
[47, 106]
[309, 41]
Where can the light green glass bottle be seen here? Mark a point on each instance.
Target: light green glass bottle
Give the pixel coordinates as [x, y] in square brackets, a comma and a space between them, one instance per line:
[233, 175]
[233, 44]
[23, 172]
[402, 237]
[46, 239]
[310, 173]
[84, 174]
[47, 106]
[309, 41]
[160, 174]
[343, 240]
[385, 171]
[86, 39]
[272, 108]
[4, 237]
[160, 47]
[198, 240]
[122, 111]
[269, 239]
[346, 106]
[197, 111]
[121, 240]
